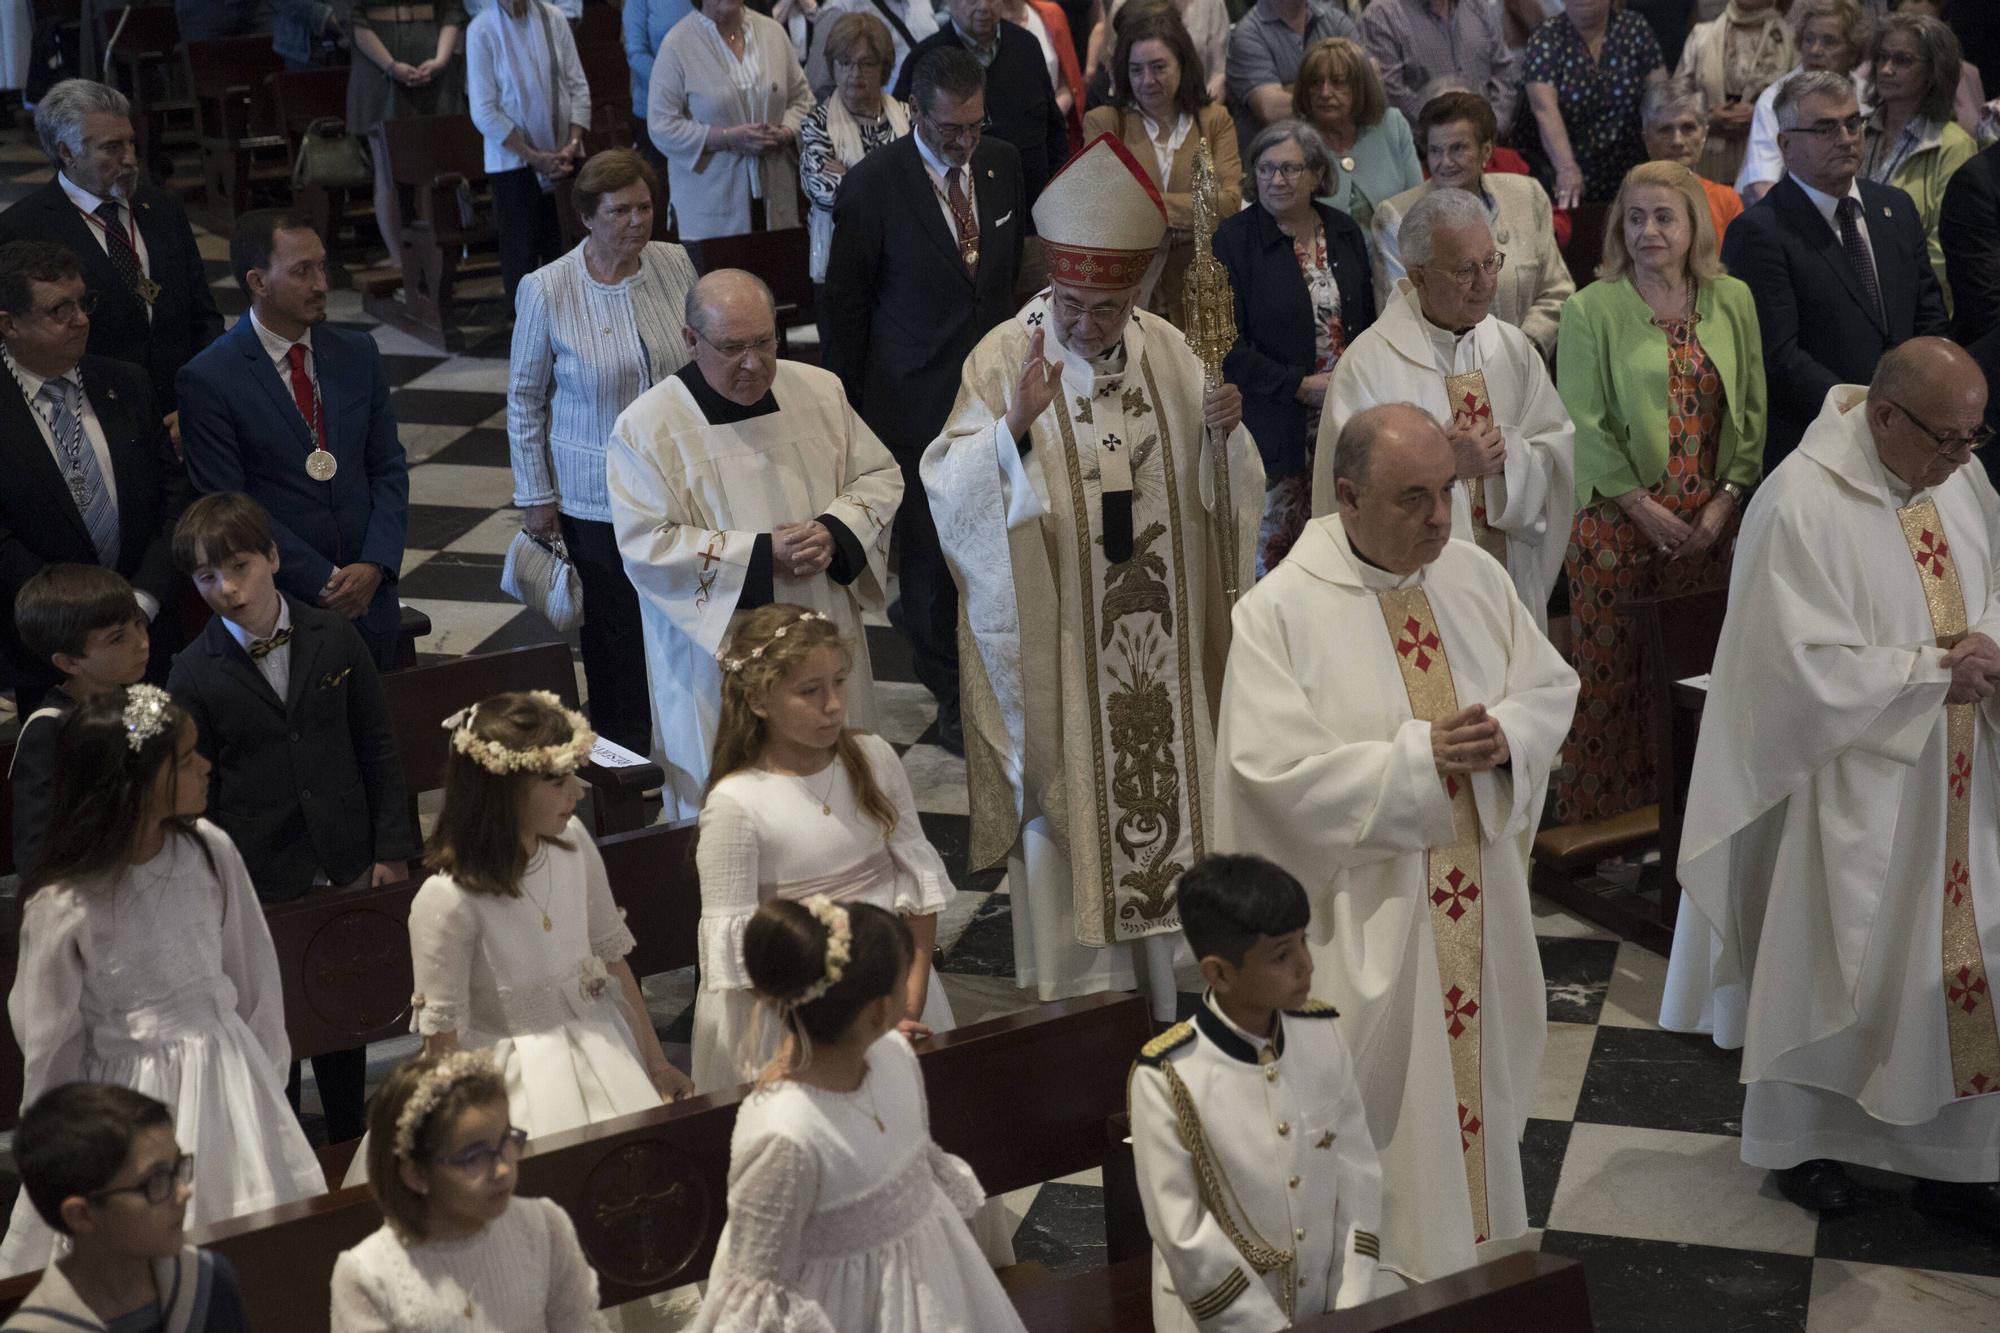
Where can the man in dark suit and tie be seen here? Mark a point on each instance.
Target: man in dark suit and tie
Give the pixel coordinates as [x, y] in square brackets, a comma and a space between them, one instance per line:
[927, 237]
[1019, 97]
[1838, 265]
[295, 413]
[90, 476]
[132, 239]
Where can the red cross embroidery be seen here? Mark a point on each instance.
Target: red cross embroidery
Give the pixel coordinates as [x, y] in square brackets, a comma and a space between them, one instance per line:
[1978, 1085]
[1932, 552]
[1417, 649]
[1450, 787]
[1961, 774]
[710, 554]
[1460, 891]
[1476, 409]
[1957, 882]
[1968, 992]
[1458, 1006]
[1468, 1127]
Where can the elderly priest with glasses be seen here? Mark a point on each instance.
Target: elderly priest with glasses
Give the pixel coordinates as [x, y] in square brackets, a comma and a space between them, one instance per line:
[1841, 857]
[737, 481]
[1094, 502]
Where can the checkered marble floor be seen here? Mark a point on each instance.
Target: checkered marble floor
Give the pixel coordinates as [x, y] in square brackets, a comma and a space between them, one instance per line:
[1631, 1156]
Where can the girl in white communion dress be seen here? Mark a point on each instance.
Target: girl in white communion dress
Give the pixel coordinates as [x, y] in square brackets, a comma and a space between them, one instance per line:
[844, 1216]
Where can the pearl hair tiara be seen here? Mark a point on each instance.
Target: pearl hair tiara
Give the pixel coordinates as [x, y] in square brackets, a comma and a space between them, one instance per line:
[732, 665]
[145, 714]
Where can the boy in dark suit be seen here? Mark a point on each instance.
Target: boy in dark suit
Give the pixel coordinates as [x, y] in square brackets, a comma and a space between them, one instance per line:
[307, 778]
[86, 621]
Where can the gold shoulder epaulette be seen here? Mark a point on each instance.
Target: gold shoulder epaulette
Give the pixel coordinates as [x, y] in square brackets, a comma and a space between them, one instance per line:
[1314, 1009]
[1156, 1050]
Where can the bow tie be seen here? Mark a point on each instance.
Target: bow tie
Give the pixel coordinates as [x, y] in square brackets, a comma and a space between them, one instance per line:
[263, 648]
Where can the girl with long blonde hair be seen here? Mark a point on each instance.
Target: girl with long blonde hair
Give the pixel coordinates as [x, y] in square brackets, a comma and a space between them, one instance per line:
[800, 804]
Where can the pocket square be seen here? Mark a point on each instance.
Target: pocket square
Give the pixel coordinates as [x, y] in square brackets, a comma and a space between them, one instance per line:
[333, 678]
[1004, 218]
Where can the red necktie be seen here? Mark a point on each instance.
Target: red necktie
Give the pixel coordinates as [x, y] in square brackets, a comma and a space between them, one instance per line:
[302, 392]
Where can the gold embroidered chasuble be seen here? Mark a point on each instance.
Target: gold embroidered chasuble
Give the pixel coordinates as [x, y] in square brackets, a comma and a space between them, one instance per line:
[1969, 1016]
[1468, 397]
[1453, 875]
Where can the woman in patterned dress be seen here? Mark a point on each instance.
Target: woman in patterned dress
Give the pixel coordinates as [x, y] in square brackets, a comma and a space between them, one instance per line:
[1299, 270]
[1585, 70]
[859, 118]
[1661, 367]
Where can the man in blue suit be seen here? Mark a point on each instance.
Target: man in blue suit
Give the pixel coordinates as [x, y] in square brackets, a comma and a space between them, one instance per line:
[295, 413]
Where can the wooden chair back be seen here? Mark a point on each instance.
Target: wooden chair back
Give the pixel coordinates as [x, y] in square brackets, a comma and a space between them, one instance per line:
[652, 874]
[783, 259]
[227, 77]
[1585, 250]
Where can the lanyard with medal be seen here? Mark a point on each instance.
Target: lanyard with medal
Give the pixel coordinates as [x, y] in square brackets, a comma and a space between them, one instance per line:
[320, 465]
[71, 448]
[145, 289]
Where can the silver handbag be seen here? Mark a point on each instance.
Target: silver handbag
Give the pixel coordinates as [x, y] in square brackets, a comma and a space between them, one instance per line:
[539, 575]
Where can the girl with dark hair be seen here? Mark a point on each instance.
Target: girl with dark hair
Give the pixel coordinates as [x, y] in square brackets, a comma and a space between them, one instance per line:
[515, 943]
[843, 1214]
[145, 963]
[799, 804]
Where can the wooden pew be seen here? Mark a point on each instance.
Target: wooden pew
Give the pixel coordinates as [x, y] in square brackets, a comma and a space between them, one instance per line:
[141, 65]
[648, 1192]
[300, 97]
[443, 213]
[783, 259]
[245, 158]
[653, 877]
[422, 697]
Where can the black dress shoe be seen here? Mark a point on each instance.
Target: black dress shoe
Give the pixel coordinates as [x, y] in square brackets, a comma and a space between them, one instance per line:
[1818, 1185]
[951, 732]
[1973, 1205]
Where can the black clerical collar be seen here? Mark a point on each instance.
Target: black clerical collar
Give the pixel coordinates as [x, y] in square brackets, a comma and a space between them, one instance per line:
[721, 411]
[1230, 1039]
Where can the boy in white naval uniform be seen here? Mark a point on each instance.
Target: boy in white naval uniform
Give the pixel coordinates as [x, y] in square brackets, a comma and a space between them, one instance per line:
[1260, 1184]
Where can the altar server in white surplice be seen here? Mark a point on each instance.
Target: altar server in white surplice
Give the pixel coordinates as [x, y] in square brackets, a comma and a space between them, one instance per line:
[735, 482]
[1841, 856]
[1389, 720]
[1080, 506]
[1438, 344]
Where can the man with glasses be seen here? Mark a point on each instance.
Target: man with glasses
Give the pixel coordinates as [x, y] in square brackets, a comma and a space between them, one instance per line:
[1838, 266]
[737, 481]
[1097, 506]
[926, 254]
[91, 474]
[1438, 345]
[1841, 856]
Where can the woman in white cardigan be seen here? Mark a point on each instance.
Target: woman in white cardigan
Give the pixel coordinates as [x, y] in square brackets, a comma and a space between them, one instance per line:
[531, 104]
[727, 100]
[593, 331]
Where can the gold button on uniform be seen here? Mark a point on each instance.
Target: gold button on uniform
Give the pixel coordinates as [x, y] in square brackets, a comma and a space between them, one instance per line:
[1299, 1234]
[1271, 1074]
[1284, 1128]
[1293, 1182]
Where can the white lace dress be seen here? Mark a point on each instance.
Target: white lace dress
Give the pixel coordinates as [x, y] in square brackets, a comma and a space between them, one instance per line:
[540, 999]
[836, 1226]
[525, 1273]
[765, 835]
[163, 979]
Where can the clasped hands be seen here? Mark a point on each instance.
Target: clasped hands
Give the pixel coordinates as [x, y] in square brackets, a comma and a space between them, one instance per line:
[1468, 742]
[801, 549]
[351, 588]
[1974, 663]
[555, 163]
[1041, 380]
[1673, 536]
[1477, 445]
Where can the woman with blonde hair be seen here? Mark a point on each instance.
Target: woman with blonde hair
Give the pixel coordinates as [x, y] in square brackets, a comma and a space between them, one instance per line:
[1661, 367]
[1338, 93]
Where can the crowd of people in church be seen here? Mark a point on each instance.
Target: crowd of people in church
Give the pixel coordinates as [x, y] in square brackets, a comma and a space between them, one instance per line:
[1267, 659]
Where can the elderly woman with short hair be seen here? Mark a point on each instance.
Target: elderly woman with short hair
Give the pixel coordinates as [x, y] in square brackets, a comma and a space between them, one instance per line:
[1661, 367]
[1299, 271]
[1827, 34]
[1911, 140]
[1733, 58]
[1583, 71]
[858, 118]
[1675, 116]
[1339, 94]
[593, 331]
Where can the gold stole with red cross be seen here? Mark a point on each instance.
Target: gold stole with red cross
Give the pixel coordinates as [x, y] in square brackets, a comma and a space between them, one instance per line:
[1452, 877]
[1468, 398]
[1968, 1010]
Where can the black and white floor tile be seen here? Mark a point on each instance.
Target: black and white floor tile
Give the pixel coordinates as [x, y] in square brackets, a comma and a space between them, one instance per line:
[1631, 1155]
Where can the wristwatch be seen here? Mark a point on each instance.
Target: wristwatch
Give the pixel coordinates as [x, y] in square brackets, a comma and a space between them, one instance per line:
[1734, 492]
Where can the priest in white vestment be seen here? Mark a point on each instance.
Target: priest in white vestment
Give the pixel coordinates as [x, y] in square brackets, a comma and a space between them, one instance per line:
[1389, 721]
[1840, 862]
[1439, 345]
[1094, 502]
[738, 481]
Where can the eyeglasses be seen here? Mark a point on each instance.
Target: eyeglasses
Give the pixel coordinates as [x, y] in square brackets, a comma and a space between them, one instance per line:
[859, 64]
[1897, 59]
[1950, 446]
[1466, 274]
[763, 346]
[481, 1158]
[948, 132]
[1821, 41]
[1850, 128]
[157, 1186]
[1270, 171]
[1103, 312]
[66, 312]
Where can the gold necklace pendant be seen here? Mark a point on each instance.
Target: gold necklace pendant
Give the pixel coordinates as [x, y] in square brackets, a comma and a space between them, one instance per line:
[546, 923]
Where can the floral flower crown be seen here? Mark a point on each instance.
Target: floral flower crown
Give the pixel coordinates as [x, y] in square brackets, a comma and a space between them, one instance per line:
[839, 947]
[451, 1071]
[732, 665]
[555, 760]
[145, 714]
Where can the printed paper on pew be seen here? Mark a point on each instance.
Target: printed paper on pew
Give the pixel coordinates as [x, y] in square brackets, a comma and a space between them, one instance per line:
[1699, 682]
[610, 754]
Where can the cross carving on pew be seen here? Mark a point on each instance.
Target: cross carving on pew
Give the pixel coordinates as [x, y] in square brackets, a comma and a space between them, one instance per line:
[642, 1213]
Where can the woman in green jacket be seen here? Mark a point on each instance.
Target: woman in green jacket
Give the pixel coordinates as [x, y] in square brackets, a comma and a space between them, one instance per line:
[1911, 141]
[1661, 366]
